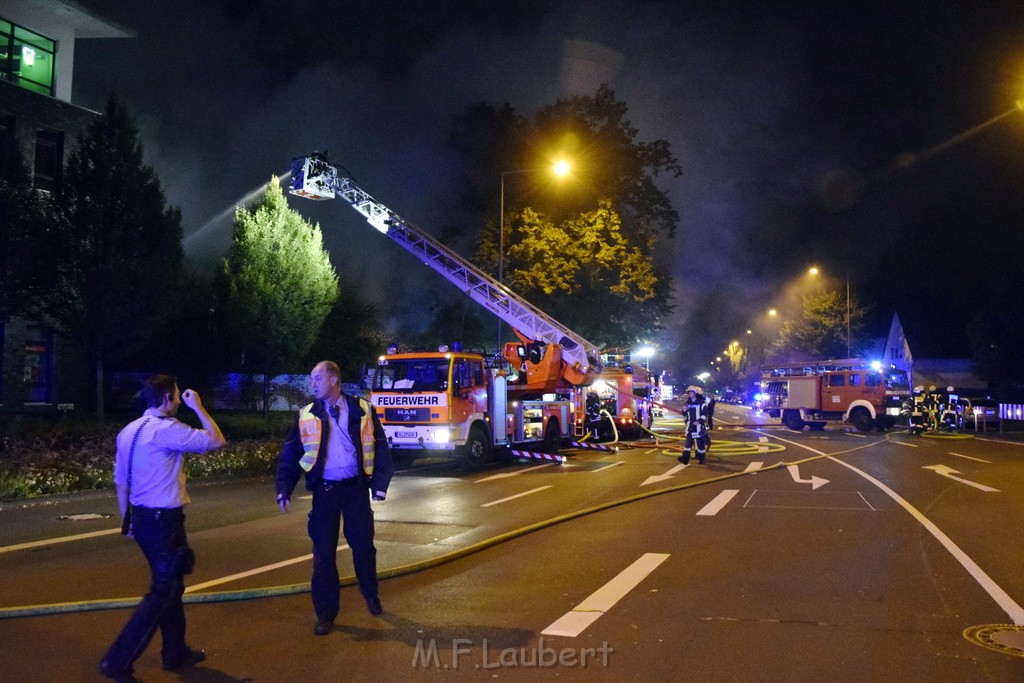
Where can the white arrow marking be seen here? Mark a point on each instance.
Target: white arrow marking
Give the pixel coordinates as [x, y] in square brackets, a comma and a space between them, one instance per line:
[663, 477]
[949, 472]
[815, 482]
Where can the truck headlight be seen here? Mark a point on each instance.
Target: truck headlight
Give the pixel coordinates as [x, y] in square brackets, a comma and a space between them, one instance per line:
[441, 435]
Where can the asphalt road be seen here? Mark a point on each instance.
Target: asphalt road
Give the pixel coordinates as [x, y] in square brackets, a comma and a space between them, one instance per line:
[789, 556]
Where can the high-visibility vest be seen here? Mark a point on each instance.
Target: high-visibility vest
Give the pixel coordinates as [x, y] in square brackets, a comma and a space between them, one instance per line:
[311, 432]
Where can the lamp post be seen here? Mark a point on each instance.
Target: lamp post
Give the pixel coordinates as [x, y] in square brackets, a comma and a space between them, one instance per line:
[646, 352]
[560, 169]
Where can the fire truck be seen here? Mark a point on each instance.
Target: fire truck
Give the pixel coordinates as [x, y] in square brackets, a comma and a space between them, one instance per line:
[849, 390]
[448, 400]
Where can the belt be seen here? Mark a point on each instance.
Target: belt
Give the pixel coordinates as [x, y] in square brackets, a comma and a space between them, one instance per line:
[331, 483]
[156, 513]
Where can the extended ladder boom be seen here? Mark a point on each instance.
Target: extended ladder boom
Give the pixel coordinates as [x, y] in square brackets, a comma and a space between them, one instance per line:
[314, 177]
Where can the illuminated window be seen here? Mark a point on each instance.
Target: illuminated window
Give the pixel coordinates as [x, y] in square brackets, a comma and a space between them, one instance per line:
[27, 58]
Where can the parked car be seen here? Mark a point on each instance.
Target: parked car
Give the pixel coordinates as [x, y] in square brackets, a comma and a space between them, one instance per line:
[978, 412]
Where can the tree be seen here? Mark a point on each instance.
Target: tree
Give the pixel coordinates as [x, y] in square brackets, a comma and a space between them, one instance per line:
[585, 273]
[276, 286]
[120, 254]
[997, 342]
[614, 183]
[29, 224]
[820, 330]
[351, 335]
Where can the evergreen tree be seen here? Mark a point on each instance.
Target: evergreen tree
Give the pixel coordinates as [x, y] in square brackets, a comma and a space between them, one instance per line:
[351, 335]
[275, 288]
[121, 253]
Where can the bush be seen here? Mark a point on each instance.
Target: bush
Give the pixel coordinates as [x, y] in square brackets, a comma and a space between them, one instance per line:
[41, 457]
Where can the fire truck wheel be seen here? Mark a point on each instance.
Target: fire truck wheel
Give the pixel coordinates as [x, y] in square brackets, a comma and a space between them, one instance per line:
[477, 450]
[793, 421]
[861, 419]
[552, 437]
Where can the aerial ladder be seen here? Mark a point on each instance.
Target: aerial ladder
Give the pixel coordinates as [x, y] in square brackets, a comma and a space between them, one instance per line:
[449, 400]
[545, 339]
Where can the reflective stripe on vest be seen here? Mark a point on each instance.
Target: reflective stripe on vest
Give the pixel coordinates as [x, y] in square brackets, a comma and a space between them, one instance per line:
[311, 432]
[367, 437]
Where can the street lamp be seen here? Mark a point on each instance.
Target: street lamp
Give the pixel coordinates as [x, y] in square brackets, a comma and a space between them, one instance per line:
[849, 352]
[560, 169]
[645, 352]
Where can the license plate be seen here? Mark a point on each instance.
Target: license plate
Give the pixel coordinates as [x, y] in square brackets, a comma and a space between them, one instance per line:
[405, 435]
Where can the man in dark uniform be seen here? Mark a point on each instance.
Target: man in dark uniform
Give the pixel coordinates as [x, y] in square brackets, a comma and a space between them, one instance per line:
[696, 430]
[339, 443]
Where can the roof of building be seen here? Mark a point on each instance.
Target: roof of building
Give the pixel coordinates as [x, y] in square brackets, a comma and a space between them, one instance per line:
[85, 22]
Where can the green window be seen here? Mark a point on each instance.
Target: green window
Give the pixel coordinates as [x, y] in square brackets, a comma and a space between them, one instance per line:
[27, 58]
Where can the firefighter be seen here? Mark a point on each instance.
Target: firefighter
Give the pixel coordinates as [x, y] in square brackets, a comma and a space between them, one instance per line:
[915, 407]
[696, 429]
[933, 407]
[951, 418]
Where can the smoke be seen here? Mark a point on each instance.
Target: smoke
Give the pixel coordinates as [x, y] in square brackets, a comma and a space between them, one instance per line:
[778, 115]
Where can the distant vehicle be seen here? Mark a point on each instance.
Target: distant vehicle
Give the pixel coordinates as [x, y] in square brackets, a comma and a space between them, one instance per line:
[979, 411]
[847, 390]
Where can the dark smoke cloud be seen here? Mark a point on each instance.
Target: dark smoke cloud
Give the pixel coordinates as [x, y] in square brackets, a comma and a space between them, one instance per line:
[789, 121]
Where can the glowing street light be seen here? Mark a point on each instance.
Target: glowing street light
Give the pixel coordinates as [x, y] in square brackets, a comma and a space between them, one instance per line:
[559, 169]
[646, 352]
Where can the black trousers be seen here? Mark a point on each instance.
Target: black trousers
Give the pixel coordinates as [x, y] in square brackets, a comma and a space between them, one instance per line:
[160, 533]
[341, 507]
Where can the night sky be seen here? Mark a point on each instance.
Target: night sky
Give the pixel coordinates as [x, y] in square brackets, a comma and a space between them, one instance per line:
[824, 135]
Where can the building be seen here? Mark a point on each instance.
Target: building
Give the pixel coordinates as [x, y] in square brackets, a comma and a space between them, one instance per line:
[930, 363]
[37, 116]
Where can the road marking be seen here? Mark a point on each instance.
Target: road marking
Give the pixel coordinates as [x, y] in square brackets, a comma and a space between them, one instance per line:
[1015, 611]
[653, 450]
[614, 464]
[815, 482]
[518, 495]
[719, 502]
[763, 439]
[662, 477]
[948, 472]
[754, 466]
[512, 474]
[908, 445]
[1009, 443]
[59, 539]
[859, 436]
[959, 455]
[573, 623]
[253, 572]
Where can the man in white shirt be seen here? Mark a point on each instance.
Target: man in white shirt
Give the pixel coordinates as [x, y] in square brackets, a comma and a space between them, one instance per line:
[149, 474]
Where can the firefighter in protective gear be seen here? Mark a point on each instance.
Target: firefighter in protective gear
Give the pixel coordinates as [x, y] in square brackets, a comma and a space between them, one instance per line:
[951, 418]
[915, 409]
[696, 427]
[932, 407]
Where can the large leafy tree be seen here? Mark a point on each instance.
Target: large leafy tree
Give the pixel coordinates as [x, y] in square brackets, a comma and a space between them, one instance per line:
[120, 253]
[820, 329]
[584, 272]
[275, 287]
[613, 194]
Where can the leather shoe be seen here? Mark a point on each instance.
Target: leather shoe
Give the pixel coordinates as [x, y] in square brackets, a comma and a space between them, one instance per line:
[107, 671]
[323, 627]
[373, 604]
[190, 658]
